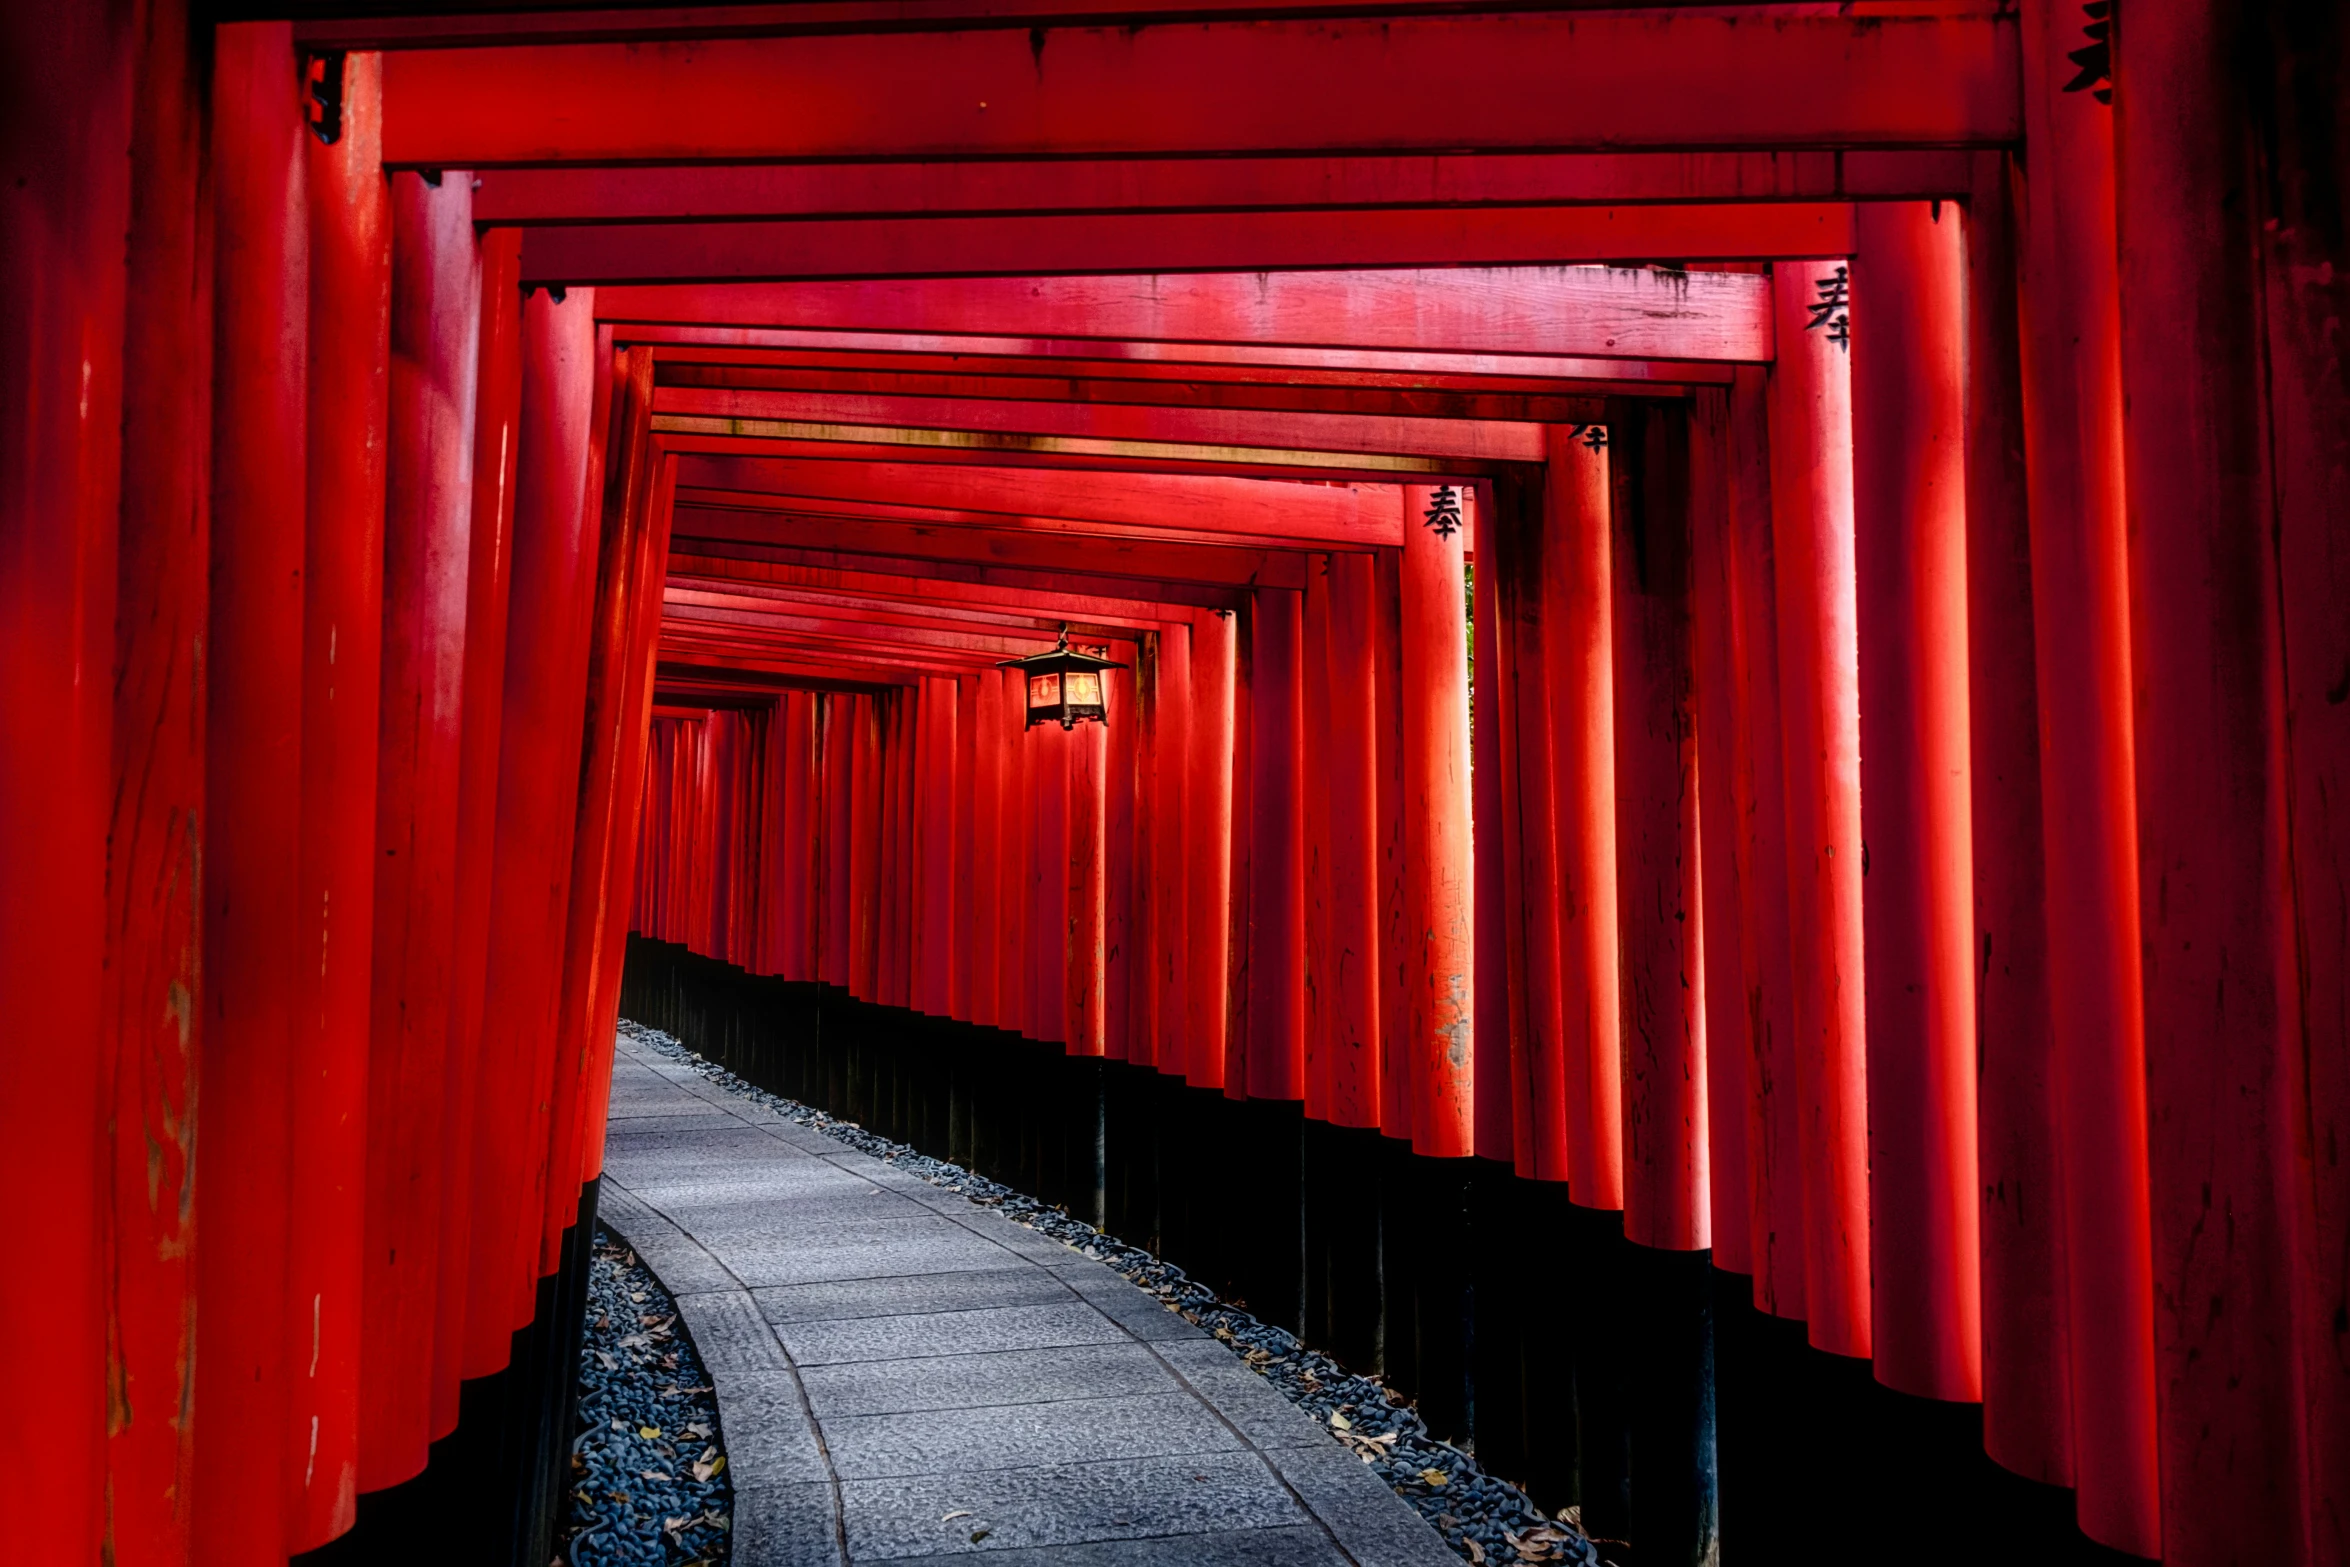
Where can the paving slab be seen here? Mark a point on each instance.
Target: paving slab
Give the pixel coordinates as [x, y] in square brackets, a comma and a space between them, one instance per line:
[904, 1376]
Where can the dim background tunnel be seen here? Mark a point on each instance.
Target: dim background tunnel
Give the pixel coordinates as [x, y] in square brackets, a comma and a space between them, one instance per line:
[1714, 835]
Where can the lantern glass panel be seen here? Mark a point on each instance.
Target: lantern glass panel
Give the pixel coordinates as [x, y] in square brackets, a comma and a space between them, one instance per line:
[1085, 688]
[1045, 690]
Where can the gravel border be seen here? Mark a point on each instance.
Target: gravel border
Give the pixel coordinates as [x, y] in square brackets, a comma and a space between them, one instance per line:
[649, 1486]
[1484, 1519]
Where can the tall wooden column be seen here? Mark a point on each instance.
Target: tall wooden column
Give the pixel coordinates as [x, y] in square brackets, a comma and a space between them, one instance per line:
[1578, 655]
[436, 303]
[2228, 471]
[2080, 1408]
[1351, 764]
[253, 666]
[1214, 650]
[1819, 691]
[349, 350]
[1277, 870]
[1909, 518]
[1659, 891]
[65, 210]
[1439, 881]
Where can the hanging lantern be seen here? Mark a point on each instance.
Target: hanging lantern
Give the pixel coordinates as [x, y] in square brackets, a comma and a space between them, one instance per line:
[1065, 686]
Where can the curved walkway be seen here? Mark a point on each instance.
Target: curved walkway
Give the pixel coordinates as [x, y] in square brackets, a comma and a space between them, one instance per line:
[903, 1376]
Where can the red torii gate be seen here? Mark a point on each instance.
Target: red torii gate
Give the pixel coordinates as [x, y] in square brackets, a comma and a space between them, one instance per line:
[111, 465]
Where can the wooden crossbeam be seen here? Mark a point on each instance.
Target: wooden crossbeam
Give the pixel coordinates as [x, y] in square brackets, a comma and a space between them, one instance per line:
[1577, 311]
[1605, 81]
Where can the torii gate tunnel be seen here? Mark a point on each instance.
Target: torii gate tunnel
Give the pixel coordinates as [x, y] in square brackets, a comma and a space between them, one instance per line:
[1719, 844]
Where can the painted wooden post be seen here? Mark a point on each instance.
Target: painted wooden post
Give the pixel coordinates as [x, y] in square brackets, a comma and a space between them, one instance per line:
[1577, 646]
[1439, 873]
[1314, 825]
[1529, 561]
[154, 834]
[1351, 764]
[2219, 454]
[1500, 969]
[2070, 1387]
[1909, 516]
[1085, 891]
[1174, 865]
[1658, 861]
[1811, 530]
[349, 324]
[1721, 761]
[1276, 997]
[967, 900]
[65, 210]
[1214, 650]
[542, 712]
[481, 695]
[1773, 1134]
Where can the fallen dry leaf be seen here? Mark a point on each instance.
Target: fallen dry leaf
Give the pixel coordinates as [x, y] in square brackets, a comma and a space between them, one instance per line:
[1341, 1422]
[1433, 1476]
[963, 1512]
[649, 1433]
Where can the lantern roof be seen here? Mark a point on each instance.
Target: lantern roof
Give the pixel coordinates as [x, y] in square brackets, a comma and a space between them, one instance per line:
[1062, 657]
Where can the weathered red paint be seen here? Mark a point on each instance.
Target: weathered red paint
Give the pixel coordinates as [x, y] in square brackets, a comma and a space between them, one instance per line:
[349, 353]
[1276, 995]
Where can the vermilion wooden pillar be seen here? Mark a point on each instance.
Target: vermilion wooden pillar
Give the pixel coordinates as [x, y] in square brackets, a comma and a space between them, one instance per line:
[349, 353]
[1909, 523]
[1050, 928]
[837, 738]
[1016, 822]
[1577, 647]
[580, 1115]
[155, 832]
[985, 934]
[497, 416]
[1722, 762]
[436, 302]
[253, 775]
[1350, 764]
[1314, 821]
[1277, 868]
[65, 210]
[541, 714]
[1239, 917]
[1396, 1073]
[1759, 839]
[1085, 872]
[968, 901]
[1173, 864]
[1498, 977]
[2226, 979]
[1439, 873]
[632, 543]
[938, 783]
[1658, 863]
[1124, 864]
[1214, 650]
[1811, 533]
[1534, 558]
[2070, 1391]
[2304, 289]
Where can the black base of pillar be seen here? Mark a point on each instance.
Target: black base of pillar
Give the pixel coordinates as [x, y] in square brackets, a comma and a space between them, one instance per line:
[493, 1491]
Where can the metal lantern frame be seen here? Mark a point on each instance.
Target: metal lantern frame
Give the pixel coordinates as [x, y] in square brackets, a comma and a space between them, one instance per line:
[1072, 674]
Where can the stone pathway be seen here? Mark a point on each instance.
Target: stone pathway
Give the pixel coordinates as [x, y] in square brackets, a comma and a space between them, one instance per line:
[905, 1377]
